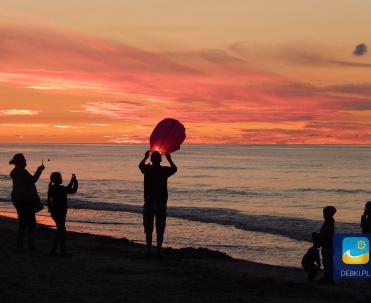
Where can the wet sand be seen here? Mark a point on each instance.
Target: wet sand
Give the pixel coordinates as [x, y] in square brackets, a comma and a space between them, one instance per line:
[104, 269]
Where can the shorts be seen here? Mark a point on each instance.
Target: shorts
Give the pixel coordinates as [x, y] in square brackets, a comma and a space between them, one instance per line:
[152, 210]
[26, 215]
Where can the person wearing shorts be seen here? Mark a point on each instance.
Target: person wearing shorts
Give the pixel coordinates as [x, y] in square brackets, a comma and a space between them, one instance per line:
[155, 198]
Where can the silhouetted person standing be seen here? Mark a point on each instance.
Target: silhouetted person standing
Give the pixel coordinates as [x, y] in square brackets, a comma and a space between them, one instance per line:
[325, 240]
[57, 206]
[366, 219]
[25, 198]
[155, 197]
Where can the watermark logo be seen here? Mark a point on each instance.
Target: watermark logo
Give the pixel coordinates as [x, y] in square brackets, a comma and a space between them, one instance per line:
[351, 256]
[356, 250]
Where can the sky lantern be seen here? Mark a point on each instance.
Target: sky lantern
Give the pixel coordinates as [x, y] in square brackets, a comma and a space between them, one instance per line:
[167, 136]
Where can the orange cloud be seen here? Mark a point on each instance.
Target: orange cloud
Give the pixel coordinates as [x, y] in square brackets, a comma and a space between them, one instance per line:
[114, 109]
[221, 89]
[16, 112]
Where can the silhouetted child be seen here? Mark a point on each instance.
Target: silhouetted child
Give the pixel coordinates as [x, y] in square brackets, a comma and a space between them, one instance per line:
[325, 240]
[311, 261]
[57, 206]
[366, 219]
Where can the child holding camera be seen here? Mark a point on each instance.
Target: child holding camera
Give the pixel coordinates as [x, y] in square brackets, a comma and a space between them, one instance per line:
[57, 206]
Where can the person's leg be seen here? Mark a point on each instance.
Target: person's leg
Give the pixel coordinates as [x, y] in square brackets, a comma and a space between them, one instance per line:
[149, 242]
[160, 226]
[313, 271]
[62, 234]
[31, 224]
[327, 265]
[31, 240]
[160, 240]
[63, 242]
[53, 251]
[20, 237]
[56, 240]
[330, 265]
[148, 219]
[22, 227]
[307, 268]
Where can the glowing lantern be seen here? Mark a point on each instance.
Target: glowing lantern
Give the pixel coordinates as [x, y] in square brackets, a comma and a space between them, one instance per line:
[167, 136]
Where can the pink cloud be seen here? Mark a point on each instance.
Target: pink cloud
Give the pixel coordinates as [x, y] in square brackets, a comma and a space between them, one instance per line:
[44, 59]
[196, 86]
[114, 110]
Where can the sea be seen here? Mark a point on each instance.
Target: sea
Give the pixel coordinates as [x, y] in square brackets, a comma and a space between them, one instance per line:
[253, 202]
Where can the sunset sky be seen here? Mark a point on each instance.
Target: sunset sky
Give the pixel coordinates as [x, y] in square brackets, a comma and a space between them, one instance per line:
[237, 71]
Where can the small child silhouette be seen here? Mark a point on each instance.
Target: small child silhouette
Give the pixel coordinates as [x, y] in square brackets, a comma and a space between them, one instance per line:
[311, 261]
[57, 206]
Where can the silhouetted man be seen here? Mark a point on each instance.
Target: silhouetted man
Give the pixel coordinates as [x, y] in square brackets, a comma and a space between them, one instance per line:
[155, 197]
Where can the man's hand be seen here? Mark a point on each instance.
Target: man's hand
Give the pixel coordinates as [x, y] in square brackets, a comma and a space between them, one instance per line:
[146, 156]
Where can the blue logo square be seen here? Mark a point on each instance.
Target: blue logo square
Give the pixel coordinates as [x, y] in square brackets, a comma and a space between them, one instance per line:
[351, 256]
[355, 250]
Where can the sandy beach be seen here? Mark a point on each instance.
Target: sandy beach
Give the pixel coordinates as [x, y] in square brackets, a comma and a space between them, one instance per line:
[104, 269]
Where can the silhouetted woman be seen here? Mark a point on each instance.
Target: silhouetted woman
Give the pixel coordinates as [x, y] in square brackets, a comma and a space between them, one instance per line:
[25, 199]
[57, 206]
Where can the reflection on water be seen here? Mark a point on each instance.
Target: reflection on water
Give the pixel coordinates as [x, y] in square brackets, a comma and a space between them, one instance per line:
[253, 246]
